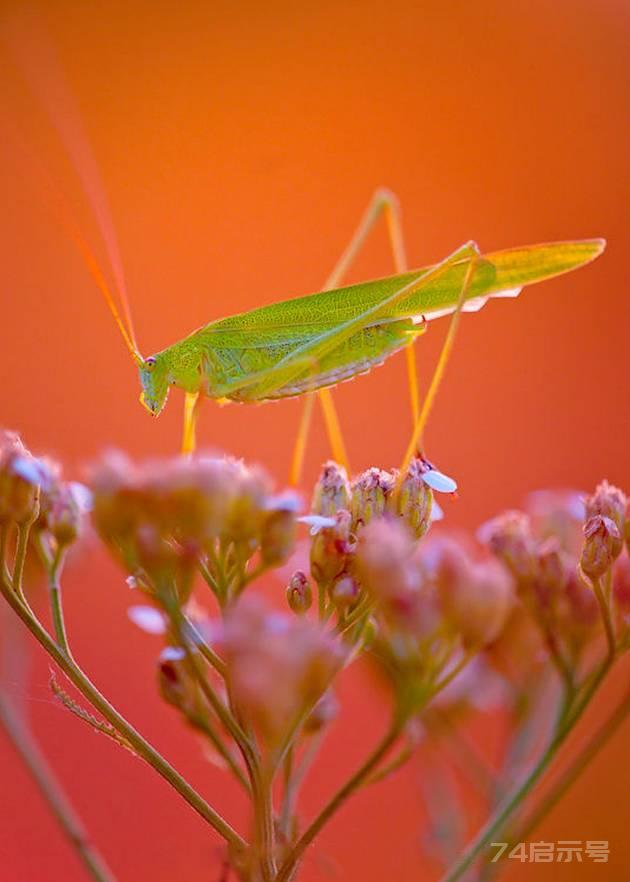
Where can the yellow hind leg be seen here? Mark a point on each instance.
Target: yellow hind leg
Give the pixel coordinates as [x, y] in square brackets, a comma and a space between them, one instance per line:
[415, 442]
[383, 203]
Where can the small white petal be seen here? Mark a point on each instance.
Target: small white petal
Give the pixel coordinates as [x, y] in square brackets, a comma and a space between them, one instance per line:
[437, 512]
[438, 481]
[147, 618]
[27, 468]
[172, 653]
[82, 496]
[287, 501]
[316, 522]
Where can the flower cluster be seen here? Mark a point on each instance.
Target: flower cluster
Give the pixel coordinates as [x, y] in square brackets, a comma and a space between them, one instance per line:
[455, 625]
[278, 666]
[556, 575]
[164, 519]
[376, 492]
[32, 492]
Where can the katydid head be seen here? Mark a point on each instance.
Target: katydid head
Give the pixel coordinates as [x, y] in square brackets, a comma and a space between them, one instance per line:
[155, 383]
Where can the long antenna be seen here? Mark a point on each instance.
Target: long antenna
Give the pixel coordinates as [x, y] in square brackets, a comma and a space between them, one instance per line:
[40, 66]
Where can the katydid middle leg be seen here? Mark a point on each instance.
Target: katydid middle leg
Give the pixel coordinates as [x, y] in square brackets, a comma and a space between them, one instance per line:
[383, 203]
[192, 402]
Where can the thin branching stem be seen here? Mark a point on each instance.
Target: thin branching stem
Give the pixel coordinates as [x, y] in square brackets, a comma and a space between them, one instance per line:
[506, 809]
[581, 762]
[138, 743]
[21, 737]
[56, 606]
[352, 784]
[604, 608]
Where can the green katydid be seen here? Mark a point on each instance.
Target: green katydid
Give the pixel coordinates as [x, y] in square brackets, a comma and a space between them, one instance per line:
[307, 344]
[312, 343]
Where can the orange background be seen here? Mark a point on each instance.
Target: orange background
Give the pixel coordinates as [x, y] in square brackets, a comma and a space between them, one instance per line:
[239, 142]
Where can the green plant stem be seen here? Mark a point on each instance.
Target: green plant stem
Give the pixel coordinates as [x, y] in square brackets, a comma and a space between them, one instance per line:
[5, 576]
[54, 587]
[296, 779]
[261, 783]
[505, 810]
[220, 709]
[223, 750]
[139, 744]
[20, 559]
[286, 870]
[205, 650]
[604, 609]
[468, 759]
[596, 743]
[31, 754]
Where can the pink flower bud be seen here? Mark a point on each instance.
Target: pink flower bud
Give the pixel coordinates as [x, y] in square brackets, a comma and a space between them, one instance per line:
[602, 545]
[551, 576]
[414, 499]
[277, 666]
[175, 680]
[609, 502]
[370, 493]
[299, 593]
[344, 592]
[22, 476]
[577, 613]
[558, 514]
[277, 540]
[61, 514]
[332, 490]
[476, 597]
[509, 538]
[330, 547]
[386, 567]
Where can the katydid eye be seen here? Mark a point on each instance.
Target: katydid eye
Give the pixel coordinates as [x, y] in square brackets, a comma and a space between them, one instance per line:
[150, 361]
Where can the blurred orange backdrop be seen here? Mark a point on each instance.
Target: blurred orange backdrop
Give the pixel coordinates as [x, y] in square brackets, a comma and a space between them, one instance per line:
[239, 143]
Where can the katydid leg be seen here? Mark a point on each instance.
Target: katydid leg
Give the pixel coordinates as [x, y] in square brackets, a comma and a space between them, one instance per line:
[192, 401]
[384, 204]
[415, 440]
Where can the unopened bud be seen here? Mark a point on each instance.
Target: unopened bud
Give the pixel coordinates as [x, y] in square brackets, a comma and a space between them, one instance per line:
[344, 592]
[414, 499]
[332, 490]
[509, 538]
[21, 478]
[63, 515]
[609, 502]
[277, 540]
[552, 572]
[299, 593]
[370, 493]
[476, 597]
[602, 545]
[174, 681]
[578, 615]
[330, 547]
